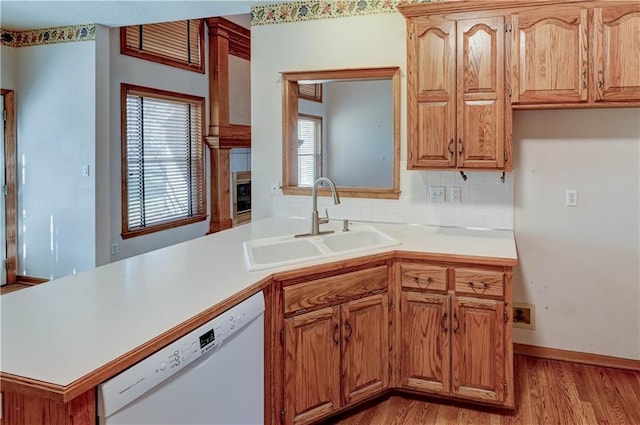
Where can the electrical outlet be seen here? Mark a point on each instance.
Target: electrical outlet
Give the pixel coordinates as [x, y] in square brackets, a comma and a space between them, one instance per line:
[85, 170]
[571, 198]
[455, 194]
[274, 188]
[436, 193]
[115, 248]
[524, 316]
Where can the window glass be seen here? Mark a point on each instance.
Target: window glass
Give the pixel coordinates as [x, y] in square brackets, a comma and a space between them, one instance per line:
[309, 149]
[163, 165]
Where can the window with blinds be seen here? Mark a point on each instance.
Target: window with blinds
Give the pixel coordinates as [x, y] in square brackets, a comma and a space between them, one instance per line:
[163, 161]
[310, 92]
[179, 43]
[309, 149]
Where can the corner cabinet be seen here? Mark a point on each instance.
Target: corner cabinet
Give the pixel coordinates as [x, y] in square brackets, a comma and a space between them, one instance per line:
[335, 342]
[455, 332]
[457, 114]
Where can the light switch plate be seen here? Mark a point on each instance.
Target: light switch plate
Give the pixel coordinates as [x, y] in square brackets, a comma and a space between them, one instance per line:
[455, 194]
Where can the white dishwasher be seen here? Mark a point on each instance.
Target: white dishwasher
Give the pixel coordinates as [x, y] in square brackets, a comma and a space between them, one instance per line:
[213, 375]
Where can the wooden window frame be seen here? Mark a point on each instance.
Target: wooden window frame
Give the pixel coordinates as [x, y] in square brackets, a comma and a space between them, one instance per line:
[165, 60]
[167, 95]
[290, 114]
[11, 204]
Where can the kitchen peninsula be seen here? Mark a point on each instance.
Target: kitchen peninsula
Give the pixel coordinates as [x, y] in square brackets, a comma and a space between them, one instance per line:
[62, 339]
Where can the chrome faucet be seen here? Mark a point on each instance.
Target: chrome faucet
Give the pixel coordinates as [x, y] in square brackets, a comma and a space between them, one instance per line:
[316, 220]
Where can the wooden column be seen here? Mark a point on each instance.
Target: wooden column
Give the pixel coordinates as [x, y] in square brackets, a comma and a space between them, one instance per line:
[225, 38]
[220, 187]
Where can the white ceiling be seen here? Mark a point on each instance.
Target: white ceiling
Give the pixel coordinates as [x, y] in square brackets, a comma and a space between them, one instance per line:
[32, 14]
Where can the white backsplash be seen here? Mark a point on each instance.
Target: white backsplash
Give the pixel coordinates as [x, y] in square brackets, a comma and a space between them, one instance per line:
[486, 202]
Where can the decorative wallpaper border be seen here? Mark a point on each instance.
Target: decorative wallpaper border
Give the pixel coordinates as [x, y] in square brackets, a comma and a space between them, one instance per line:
[42, 36]
[311, 10]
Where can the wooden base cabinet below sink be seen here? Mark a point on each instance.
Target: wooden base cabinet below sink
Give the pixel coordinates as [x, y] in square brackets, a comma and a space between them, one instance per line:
[430, 328]
[337, 354]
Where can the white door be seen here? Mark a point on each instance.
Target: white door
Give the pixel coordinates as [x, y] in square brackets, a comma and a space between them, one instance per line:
[3, 223]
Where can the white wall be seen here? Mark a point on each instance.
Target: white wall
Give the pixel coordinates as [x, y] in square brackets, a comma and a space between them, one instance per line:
[356, 42]
[579, 266]
[360, 133]
[8, 69]
[127, 69]
[56, 130]
[102, 149]
[239, 90]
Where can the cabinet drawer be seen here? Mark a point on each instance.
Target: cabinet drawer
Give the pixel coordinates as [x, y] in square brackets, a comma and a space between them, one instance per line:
[479, 282]
[424, 276]
[334, 289]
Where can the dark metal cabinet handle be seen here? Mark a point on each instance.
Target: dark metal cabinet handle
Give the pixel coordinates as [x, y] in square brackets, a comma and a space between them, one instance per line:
[478, 288]
[457, 326]
[349, 329]
[600, 78]
[451, 146]
[461, 149]
[443, 323]
[336, 334]
[425, 282]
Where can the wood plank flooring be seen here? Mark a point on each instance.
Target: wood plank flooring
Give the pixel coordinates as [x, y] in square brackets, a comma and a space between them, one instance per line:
[548, 392]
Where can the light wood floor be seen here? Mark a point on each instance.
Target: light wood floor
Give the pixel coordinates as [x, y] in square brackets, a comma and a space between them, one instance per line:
[548, 392]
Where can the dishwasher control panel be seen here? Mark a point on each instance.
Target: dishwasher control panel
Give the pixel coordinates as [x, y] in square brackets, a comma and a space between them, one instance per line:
[142, 377]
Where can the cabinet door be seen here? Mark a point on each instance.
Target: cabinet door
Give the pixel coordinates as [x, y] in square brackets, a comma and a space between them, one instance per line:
[425, 350]
[312, 365]
[616, 53]
[431, 93]
[365, 347]
[481, 97]
[478, 355]
[549, 59]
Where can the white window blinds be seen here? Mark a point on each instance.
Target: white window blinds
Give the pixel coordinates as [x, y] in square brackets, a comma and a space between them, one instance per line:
[309, 149]
[164, 162]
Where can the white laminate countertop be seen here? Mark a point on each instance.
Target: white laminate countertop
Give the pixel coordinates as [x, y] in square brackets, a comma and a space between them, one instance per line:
[65, 329]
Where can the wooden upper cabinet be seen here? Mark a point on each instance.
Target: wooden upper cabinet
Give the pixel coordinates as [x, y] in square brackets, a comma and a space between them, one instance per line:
[456, 93]
[481, 96]
[425, 346]
[478, 355]
[365, 347]
[312, 365]
[616, 53]
[432, 93]
[549, 56]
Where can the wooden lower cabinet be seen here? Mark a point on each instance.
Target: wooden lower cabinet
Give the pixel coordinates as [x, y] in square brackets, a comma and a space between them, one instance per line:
[425, 359]
[337, 355]
[365, 347]
[312, 365]
[478, 349]
[454, 344]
